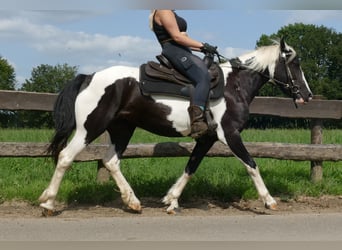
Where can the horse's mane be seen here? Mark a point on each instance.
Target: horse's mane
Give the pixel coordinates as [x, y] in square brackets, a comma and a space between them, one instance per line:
[263, 58]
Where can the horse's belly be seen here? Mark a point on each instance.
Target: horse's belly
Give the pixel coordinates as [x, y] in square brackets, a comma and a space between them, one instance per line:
[178, 116]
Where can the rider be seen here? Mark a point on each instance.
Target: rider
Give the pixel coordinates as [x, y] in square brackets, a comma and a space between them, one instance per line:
[170, 30]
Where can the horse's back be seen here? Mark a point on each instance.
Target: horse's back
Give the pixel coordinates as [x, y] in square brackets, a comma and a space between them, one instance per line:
[114, 73]
[101, 82]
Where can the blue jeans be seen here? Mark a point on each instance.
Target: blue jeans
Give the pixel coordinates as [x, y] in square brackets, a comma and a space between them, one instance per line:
[191, 66]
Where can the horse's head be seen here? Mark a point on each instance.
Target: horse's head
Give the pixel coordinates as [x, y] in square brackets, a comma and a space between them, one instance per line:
[289, 76]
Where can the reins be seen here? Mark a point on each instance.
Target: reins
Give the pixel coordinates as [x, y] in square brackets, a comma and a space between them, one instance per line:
[236, 63]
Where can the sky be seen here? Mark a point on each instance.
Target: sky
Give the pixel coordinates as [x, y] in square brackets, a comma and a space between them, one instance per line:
[94, 35]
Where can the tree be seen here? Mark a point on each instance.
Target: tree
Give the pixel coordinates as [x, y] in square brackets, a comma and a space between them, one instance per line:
[7, 82]
[51, 79]
[320, 51]
[7, 75]
[48, 79]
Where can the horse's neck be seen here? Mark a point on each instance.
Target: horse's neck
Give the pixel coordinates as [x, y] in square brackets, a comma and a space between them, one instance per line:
[260, 64]
[248, 81]
[253, 82]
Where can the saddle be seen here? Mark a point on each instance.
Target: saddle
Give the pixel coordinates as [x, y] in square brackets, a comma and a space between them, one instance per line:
[162, 78]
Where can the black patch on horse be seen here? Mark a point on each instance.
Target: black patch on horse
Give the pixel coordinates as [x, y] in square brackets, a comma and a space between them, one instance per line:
[156, 78]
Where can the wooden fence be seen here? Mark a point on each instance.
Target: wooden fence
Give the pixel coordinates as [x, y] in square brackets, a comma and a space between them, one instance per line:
[316, 152]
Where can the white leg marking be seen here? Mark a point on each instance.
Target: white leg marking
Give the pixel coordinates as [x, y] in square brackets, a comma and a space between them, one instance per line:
[48, 197]
[112, 163]
[267, 199]
[175, 192]
[65, 159]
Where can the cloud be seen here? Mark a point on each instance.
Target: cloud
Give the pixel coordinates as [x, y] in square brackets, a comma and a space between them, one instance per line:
[43, 39]
[304, 4]
[86, 50]
[230, 52]
[314, 16]
[58, 5]
[111, 4]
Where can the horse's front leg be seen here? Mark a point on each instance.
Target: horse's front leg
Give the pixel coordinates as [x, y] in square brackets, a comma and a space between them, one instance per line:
[201, 148]
[238, 148]
[175, 192]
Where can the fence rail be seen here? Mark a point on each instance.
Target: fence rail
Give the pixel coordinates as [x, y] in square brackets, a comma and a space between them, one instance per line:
[283, 107]
[281, 151]
[316, 152]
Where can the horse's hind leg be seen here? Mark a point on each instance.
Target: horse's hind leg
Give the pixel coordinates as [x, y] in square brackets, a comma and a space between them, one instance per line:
[65, 159]
[120, 135]
[201, 148]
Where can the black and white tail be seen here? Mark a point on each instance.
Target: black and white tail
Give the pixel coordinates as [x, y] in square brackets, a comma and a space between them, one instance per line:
[64, 115]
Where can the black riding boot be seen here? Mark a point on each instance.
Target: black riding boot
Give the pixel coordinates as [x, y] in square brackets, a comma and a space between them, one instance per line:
[199, 126]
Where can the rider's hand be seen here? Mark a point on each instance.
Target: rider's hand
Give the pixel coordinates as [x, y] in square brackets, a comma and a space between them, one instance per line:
[207, 48]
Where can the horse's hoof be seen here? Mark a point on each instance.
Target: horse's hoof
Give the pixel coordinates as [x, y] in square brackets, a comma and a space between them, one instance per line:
[173, 211]
[136, 208]
[272, 206]
[49, 213]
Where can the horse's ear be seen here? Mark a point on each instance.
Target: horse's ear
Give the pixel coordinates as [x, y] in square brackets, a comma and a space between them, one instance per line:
[282, 44]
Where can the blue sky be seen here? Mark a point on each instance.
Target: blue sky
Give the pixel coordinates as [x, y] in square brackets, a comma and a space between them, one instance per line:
[95, 35]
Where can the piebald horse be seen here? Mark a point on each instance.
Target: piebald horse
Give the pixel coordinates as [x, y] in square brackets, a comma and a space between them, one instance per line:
[111, 100]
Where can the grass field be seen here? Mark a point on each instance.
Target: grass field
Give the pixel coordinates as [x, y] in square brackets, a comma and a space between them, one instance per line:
[219, 178]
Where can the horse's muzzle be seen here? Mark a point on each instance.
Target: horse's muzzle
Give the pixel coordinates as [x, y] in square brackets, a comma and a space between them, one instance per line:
[301, 100]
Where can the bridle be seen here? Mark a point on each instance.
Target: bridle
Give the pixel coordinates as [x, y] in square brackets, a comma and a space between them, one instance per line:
[287, 57]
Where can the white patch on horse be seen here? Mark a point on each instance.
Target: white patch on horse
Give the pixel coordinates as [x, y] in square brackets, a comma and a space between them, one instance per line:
[306, 83]
[218, 109]
[88, 99]
[226, 68]
[179, 113]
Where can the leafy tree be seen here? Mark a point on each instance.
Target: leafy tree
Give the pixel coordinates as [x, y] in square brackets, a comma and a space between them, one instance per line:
[320, 51]
[7, 75]
[7, 82]
[48, 79]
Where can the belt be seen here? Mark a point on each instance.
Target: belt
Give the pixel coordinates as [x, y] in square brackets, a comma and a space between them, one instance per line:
[166, 40]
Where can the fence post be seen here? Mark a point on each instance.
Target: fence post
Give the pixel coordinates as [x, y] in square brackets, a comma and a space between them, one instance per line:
[317, 138]
[102, 172]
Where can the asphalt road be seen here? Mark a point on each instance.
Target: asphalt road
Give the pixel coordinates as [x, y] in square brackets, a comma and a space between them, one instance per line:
[296, 227]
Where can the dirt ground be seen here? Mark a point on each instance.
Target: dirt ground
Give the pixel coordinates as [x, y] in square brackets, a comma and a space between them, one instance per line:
[153, 207]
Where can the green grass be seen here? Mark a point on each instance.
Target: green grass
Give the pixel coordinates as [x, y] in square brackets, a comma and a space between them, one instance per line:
[219, 178]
